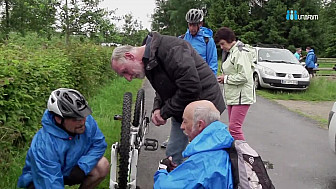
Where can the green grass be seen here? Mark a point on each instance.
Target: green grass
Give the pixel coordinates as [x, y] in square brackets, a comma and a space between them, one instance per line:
[105, 105]
[320, 89]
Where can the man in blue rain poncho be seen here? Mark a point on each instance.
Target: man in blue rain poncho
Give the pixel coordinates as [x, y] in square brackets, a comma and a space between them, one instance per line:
[68, 149]
[208, 164]
[201, 38]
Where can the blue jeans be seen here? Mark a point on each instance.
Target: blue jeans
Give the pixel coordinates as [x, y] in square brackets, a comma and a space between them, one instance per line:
[177, 142]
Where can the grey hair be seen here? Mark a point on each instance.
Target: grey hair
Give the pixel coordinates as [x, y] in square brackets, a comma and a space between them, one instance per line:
[119, 53]
[207, 114]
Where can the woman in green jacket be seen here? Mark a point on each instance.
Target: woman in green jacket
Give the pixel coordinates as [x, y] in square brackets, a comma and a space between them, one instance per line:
[237, 77]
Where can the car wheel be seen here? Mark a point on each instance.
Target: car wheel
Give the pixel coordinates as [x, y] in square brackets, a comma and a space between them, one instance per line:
[256, 81]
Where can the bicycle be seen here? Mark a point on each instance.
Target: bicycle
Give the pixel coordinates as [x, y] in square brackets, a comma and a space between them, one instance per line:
[132, 139]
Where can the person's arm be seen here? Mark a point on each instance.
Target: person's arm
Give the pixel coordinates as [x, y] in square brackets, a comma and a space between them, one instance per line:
[180, 65]
[45, 169]
[157, 102]
[211, 56]
[243, 65]
[184, 176]
[97, 147]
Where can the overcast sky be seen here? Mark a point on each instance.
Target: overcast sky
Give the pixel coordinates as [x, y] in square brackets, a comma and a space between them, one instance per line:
[140, 9]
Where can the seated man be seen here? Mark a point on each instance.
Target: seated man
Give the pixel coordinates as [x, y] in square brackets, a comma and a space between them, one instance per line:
[208, 164]
[68, 149]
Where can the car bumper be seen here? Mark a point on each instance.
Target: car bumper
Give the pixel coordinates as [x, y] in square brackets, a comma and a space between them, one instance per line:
[332, 128]
[277, 83]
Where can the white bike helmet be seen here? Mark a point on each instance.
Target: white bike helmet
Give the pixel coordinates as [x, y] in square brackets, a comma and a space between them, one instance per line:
[194, 16]
[68, 103]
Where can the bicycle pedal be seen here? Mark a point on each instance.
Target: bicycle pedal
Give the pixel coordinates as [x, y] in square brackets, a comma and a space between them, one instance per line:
[117, 117]
[151, 144]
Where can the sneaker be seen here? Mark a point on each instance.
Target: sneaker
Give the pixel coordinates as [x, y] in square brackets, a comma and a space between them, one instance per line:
[164, 144]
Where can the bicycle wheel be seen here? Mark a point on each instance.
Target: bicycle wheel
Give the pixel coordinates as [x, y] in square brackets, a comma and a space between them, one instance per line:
[139, 107]
[124, 147]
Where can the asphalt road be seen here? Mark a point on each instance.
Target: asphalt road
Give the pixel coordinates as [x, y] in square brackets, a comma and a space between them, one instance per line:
[294, 146]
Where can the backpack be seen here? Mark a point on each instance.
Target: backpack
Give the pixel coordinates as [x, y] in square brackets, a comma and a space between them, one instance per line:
[315, 58]
[248, 169]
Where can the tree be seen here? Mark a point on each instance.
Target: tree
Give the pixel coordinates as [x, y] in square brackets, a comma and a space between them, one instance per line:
[84, 18]
[328, 25]
[33, 15]
[4, 19]
[133, 32]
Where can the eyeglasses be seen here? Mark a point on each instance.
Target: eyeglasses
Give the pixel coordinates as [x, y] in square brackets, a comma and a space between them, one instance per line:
[76, 118]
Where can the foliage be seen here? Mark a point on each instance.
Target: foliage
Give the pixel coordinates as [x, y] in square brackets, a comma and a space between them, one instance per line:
[30, 69]
[84, 18]
[329, 28]
[33, 15]
[47, 17]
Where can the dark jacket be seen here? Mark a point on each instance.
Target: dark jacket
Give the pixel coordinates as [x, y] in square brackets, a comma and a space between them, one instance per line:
[179, 75]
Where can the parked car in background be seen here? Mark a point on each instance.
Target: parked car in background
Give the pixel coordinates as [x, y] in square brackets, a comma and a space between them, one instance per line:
[278, 68]
[332, 127]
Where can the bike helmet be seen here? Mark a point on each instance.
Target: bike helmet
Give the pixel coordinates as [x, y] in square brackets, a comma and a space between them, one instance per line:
[194, 16]
[68, 103]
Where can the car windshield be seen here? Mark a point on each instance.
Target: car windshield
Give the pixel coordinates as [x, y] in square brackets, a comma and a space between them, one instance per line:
[277, 56]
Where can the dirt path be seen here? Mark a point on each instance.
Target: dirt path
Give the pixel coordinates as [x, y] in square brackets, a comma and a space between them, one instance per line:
[316, 110]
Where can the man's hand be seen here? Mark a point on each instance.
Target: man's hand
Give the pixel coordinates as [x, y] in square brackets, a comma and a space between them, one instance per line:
[220, 79]
[167, 164]
[157, 119]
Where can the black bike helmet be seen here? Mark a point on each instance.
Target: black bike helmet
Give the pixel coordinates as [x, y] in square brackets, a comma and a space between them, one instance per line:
[68, 103]
[194, 16]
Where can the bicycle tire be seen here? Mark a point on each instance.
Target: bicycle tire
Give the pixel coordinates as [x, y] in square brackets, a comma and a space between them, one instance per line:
[124, 146]
[139, 107]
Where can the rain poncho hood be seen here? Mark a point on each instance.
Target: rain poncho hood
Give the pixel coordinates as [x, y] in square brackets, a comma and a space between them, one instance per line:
[53, 153]
[208, 164]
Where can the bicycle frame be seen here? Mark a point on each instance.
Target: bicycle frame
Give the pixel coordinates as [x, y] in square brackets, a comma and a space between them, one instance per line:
[132, 139]
[136, 142]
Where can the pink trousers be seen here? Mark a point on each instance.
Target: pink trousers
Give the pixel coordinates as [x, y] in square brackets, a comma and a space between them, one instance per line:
[237, 114]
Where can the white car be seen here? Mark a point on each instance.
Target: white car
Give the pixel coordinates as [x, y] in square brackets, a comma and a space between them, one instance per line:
[278, 68]
[332, 128]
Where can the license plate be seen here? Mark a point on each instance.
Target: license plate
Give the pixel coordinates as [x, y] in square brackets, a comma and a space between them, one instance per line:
[291, 82]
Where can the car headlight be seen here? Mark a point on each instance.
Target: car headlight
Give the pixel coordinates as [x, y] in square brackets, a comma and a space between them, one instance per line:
[268, 71]
[305, 74]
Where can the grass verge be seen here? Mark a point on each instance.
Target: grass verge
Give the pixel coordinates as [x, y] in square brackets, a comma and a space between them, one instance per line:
[105, 105]
[320, 89]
